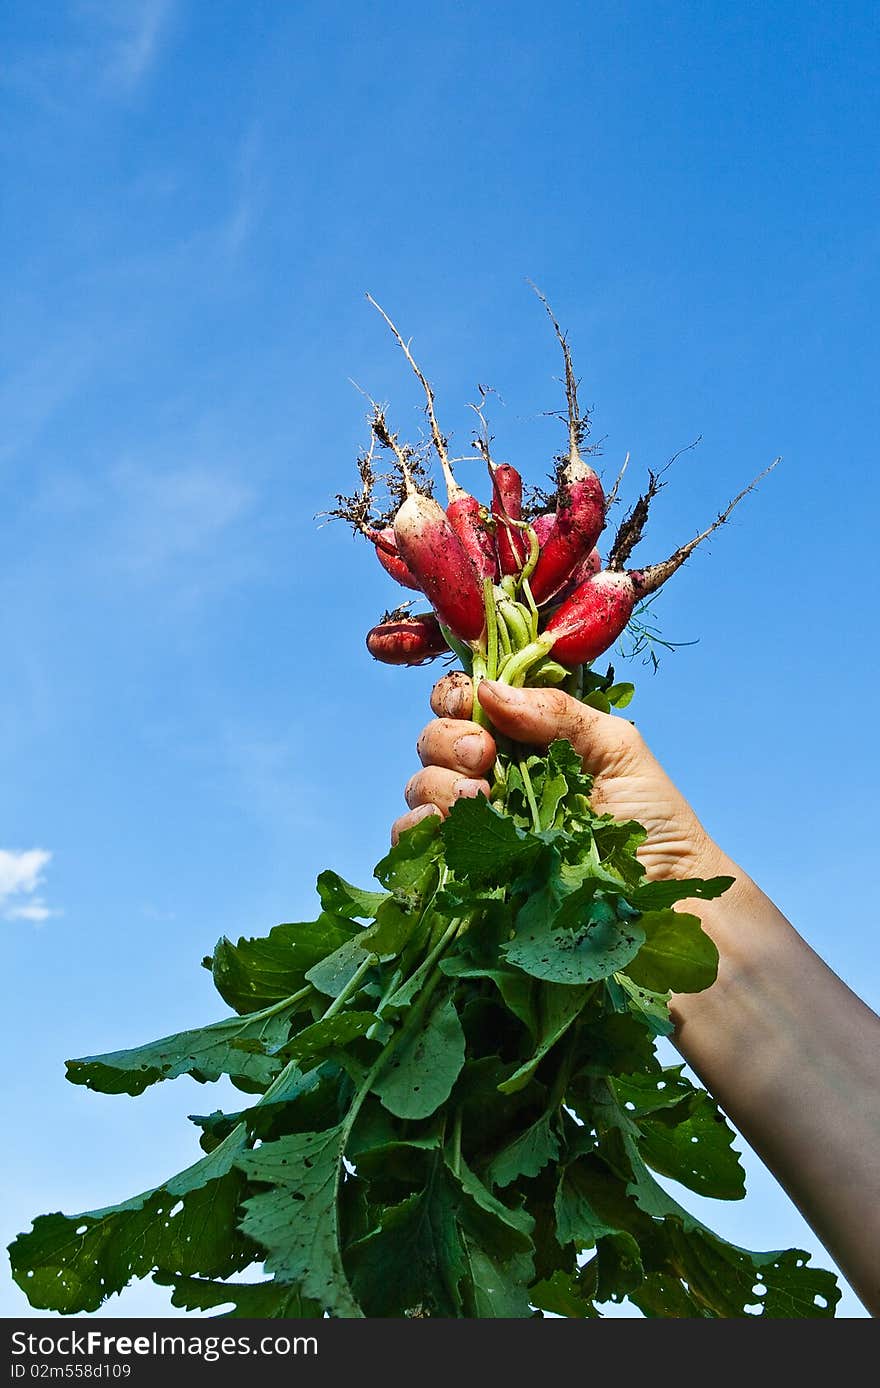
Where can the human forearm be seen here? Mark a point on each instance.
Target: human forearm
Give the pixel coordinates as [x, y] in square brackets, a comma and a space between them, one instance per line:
[793, 1057]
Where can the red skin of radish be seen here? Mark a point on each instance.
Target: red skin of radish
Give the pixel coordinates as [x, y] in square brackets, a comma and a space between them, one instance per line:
[578, 523]
[386, 552]
[464, 513]
[592, 618]
[580, 574]
[411, 641]
[436, 557]
[507, 502]
[544, 525]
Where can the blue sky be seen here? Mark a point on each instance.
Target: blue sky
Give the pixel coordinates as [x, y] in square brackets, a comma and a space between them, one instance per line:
[197, 198]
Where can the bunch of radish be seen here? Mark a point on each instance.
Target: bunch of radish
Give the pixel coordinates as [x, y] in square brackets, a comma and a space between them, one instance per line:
[520, 597]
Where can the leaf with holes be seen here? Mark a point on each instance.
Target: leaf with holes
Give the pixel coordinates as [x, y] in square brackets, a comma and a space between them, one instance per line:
[296, 1220]
[72, 1263]
[255, 973]
[527, 1154]
[425, 1066]
[677, 955]
[206, 1054]
[248, 1300]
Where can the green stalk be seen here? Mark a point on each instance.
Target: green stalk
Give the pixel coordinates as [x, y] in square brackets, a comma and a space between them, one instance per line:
[351, 987]
[503, 640]
[530, 795]
[517, 621]
[401, 996]
[478, 673]
[285, 1003]
[529, 566]
[460, 648]
[519, 666]
[532, 606]
[456, 1143]
[491, 629]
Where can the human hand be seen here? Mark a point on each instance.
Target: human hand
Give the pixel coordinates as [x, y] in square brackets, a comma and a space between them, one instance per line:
[457, 756]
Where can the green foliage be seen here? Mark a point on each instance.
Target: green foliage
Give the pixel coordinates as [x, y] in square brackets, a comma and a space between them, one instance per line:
[458, 1108]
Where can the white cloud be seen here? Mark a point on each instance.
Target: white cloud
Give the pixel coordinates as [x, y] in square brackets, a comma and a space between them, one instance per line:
[134, 32]
[21, 876]
[37, 912]
[173, 514]
[108, 48]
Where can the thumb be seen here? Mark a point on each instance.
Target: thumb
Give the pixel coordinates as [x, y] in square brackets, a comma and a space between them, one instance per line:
[539, 716]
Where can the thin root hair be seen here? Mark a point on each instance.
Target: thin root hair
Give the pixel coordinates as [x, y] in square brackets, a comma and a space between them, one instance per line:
[578, 424]
[437, 436]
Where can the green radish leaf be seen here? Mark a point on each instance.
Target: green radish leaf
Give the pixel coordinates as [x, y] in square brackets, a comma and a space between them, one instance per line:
[620, 695]
[611, 1044]
[553, 793]
[297, 1219]
[237, 1047]
[503, 1232]
[616, 843]
[653, 896]
[597, 949]
[598, 700]
[724, 1278]
[249, 1300]
[563, 760]
[425, 1066]
[558, 1005]
[693, 1144]
[409, 869]
[499, 1290]
[72, 1263]
[564, 1294]
[665, 1295]
[677, 955]
[515, 1119]
[516, 988]
[255, 973]
[333, 974]
[328, 1034]
[577, 1219]
[413, 1261]
[302, 1101]
[340, 898]
[642, 1094]
[619, 1269]
[718, 1274]
[651, 1008]
[526, 1155]
[482, 843]
[394, 928]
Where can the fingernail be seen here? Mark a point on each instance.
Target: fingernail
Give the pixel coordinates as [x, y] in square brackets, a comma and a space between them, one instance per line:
[504, 693]
[469, 749]
[469, 790]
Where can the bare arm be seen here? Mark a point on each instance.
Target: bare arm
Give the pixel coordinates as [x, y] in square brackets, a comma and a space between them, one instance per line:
[790, 1053]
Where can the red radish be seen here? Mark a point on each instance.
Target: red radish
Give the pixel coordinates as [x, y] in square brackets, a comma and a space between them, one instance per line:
[592, 618]
[581, 572]
[580, 510]
[543, 525]
[409, 641]
[470, 523]
[436, 557]
[595, 614]
[586, 568]
[386, 552]
[507, 506]
[577, 525]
